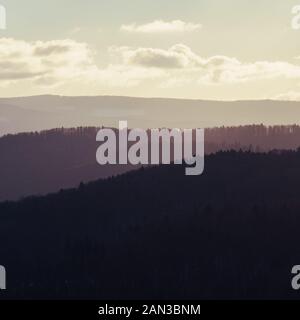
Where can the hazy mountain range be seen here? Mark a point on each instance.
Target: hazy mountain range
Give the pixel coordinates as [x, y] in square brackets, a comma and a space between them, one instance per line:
[46, 112]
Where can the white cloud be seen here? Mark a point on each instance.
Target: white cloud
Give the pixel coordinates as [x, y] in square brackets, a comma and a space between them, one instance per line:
[180, 59]
[63, 59]
[288, 96]
[160, 26]
[54, 63]
[67, 62]
[178, 56]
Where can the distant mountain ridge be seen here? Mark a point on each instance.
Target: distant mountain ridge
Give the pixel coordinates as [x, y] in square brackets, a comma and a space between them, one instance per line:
[36, 113]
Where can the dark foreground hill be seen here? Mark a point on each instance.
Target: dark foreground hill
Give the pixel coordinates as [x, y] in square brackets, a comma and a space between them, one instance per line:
[155, 233]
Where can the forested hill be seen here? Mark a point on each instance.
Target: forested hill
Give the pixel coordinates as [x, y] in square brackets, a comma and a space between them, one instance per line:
[155, 233]
[39, 163]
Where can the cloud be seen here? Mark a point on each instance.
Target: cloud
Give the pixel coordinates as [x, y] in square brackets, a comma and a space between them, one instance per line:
[50, 49]
[177, 57]
[63, 62]
[63, 59]
[71, 64]
[288, 96]
[160, 26]
[180, 61]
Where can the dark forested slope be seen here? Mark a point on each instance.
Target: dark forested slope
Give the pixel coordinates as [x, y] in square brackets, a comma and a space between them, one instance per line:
[155, 233]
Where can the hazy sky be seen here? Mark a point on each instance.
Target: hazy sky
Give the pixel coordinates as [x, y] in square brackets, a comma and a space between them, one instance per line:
[206, 49]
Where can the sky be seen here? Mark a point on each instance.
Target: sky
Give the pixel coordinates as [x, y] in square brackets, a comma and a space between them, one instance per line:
[196, 49]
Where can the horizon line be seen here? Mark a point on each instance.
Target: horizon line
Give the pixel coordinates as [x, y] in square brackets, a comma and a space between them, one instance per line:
[146, 98]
